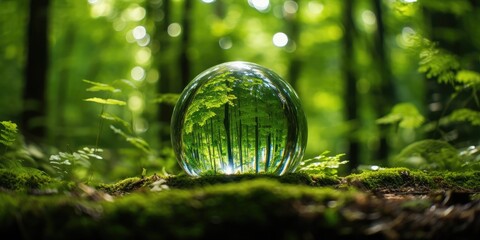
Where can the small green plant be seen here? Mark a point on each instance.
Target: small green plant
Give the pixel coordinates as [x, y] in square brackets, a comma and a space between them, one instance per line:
[117, 115]
[115, 94]
[74, 165]
[444, 67]
[103, 87]
[460, 109]
[323, 164]
[16, 154]
[119, 126]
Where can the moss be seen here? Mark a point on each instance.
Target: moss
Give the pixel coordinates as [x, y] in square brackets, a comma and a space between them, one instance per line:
[466, 180]
[324, 180]
[25, 179]
[428, 155]
[46, 216]
[395, 179]
[294, 206]
[260, 207]
[255, 204]
[187, 182]
[392, 178]
[127, 185]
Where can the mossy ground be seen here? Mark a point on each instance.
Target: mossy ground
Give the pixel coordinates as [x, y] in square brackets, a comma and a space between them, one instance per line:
[386, 204]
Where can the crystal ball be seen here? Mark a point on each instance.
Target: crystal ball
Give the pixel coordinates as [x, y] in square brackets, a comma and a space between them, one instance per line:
[238, 117]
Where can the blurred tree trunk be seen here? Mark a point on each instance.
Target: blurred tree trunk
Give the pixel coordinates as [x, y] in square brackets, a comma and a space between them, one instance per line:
[159, 14]
[220, 9]
[350, 92]
[33, 121]
[185, 41]
[384, 93]
[293, 32]
[59, 103]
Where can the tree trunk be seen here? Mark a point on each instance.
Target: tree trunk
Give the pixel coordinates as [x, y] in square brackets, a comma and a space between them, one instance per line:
[350, 92]
[385, 96]
[226, 124]
[293, 32]
[34, 96]
[161, 62]
[183, 59]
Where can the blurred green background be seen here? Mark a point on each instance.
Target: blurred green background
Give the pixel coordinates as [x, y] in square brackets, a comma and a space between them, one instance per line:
[350, 61]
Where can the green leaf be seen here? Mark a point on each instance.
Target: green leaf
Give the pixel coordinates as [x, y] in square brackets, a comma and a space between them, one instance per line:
[168, 98]
[108, 101]
[114, 118]
[465, 115]
[135, 141]
[139, 143]
[100, 87]
[468, 77]
[406, 114]
[127, 83]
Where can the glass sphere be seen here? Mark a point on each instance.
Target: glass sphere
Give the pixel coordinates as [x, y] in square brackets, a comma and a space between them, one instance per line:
[238, 117]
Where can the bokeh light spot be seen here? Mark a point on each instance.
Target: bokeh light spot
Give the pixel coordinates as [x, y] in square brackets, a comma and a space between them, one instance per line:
[315, 8]
[135, 103]
[137, 73]
[260, 5]
[174, 30]
[225, 43]
[368, 17]
[280, 39]
[144, 41]
[290, 7]
[139, 32]
[143, 55]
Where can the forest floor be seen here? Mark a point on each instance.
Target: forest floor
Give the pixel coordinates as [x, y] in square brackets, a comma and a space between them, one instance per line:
[392, 203]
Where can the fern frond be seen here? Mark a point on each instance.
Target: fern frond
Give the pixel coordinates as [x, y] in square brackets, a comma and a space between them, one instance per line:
[468, 77]
[437, 63]
[434, 62]
[323, 164]
[8, 134]
[465, 115]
